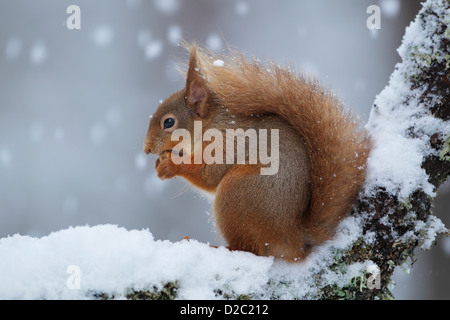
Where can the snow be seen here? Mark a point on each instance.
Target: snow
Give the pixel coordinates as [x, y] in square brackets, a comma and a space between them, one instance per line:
[214, 42]
[374, 33]
[429, 231]
[401, 125]
[168, 7]
[218, 63]
[13, 48]
[153, 49]
[113, 260]
[242, 8]
[373, 269]
[38, 53]
[390, 8]
[5, 157]
[174, 34]
[300, 279]
[103, 36]
[140, 161]
[395, 161]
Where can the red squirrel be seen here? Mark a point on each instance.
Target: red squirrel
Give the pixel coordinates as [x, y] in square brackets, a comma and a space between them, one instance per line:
[322, 152]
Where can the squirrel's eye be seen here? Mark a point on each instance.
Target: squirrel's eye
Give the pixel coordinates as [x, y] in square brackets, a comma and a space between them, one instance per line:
[169, 123]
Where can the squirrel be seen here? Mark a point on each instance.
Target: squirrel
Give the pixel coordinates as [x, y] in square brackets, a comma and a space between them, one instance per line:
[322, 152]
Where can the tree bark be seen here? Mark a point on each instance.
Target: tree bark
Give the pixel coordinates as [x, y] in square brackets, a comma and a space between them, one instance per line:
[402, 224]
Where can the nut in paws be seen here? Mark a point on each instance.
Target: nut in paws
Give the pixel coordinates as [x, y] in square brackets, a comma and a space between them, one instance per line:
[164, 166]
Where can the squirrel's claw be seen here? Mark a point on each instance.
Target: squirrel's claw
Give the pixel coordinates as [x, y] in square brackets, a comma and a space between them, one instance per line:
[164, 166]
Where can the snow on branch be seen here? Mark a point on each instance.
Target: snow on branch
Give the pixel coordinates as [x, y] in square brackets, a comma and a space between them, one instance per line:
[410, 128]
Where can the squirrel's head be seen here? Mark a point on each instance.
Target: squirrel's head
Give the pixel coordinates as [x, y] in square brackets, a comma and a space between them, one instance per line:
[179, 111]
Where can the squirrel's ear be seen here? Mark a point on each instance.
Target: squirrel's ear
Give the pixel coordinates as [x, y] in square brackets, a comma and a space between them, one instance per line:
[197, 97]
[196, 88]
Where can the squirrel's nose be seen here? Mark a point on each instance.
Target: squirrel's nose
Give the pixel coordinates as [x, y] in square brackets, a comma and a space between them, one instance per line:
[147, 149]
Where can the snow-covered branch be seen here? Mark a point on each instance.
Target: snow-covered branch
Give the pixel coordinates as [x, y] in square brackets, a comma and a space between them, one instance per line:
[410, 128]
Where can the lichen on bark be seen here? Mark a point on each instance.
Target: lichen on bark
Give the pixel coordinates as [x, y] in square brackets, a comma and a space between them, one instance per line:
[399, 225]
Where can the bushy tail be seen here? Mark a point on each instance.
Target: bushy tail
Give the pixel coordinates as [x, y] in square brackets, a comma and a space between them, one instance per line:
[337, 145]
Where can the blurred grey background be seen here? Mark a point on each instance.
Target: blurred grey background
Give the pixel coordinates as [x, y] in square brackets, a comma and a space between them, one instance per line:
[75, 104]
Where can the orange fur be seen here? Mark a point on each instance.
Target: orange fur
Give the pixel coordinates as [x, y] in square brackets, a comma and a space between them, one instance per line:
[323, 153]
[338, 147]
[166, 169]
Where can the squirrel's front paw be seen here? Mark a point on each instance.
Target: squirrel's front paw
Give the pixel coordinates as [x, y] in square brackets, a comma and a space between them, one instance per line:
[164, 166]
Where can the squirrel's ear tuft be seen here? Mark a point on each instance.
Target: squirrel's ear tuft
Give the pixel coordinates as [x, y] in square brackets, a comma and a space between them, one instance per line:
[196, 87]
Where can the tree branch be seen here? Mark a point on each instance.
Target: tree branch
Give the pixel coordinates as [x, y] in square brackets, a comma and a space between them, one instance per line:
[396, 207]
